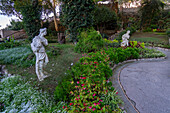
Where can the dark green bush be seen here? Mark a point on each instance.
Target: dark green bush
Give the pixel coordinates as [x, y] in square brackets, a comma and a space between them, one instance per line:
[132, 30]
[104, 18]
[77, 14]
[154, 26]
[148, 29]
[89, 41]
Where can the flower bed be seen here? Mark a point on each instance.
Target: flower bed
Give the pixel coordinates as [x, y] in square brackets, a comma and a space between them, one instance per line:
[87, 82]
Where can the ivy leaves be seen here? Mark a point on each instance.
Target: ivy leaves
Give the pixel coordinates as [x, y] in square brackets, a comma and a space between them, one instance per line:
[77, 14]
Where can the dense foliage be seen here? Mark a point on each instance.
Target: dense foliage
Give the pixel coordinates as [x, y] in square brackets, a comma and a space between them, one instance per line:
[149, 10]
[76, 14]
[111, 43]
[104, 18]
[31, 12]
[89, 41]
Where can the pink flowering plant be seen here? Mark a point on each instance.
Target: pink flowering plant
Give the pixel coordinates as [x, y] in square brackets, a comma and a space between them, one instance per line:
[90, 83]
[86, 87]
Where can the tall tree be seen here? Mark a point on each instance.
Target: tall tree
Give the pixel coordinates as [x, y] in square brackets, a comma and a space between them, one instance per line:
[31, 12]
[77, 14]
[149, 9]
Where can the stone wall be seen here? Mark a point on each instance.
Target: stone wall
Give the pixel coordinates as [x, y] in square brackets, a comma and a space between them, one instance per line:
[11, 33]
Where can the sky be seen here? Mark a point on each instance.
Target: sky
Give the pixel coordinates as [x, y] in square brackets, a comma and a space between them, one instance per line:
[4, 20]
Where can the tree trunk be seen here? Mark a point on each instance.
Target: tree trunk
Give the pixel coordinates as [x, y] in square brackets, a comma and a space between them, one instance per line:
[55, 16]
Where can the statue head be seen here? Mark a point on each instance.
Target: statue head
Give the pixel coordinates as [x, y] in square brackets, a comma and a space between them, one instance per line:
[128, 32]
[43, 31]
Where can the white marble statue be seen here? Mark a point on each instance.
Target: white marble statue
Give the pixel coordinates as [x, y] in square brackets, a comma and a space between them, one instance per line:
[125, 38]
[38, 48]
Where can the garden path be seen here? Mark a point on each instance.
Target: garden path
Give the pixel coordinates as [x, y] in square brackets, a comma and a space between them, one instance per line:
[147, 85]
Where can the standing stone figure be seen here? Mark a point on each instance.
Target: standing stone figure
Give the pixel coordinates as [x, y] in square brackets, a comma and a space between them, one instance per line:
[38, 48]
[125, 38]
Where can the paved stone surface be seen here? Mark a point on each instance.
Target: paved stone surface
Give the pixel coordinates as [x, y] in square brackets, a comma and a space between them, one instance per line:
[148, 85]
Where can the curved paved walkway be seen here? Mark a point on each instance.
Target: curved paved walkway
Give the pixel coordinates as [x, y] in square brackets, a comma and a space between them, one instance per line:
[147, 85]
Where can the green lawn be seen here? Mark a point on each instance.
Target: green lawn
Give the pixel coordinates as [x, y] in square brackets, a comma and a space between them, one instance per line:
[150, 37]
[56, 68]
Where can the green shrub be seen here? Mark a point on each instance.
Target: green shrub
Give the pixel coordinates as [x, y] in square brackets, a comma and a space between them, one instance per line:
[137, 44]
[153, 26]
[89, 41]
[132, 30]
[76, 15]
[104, 18]
[113, 43]
[148, 29]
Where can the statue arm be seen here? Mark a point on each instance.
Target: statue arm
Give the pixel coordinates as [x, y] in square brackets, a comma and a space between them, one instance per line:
[45, 42]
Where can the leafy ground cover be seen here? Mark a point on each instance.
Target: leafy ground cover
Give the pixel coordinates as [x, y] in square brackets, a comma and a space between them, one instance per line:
[18, 96]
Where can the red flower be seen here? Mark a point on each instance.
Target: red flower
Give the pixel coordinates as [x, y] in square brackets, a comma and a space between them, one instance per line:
[95, 104]
[90, 107]
[100, 100]
[84, 78]
[82, 85]
[63, 107]
[116, 92]
[95, 62]
[77, 82]
[94, 109]
[71, 104]
[94, 95]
